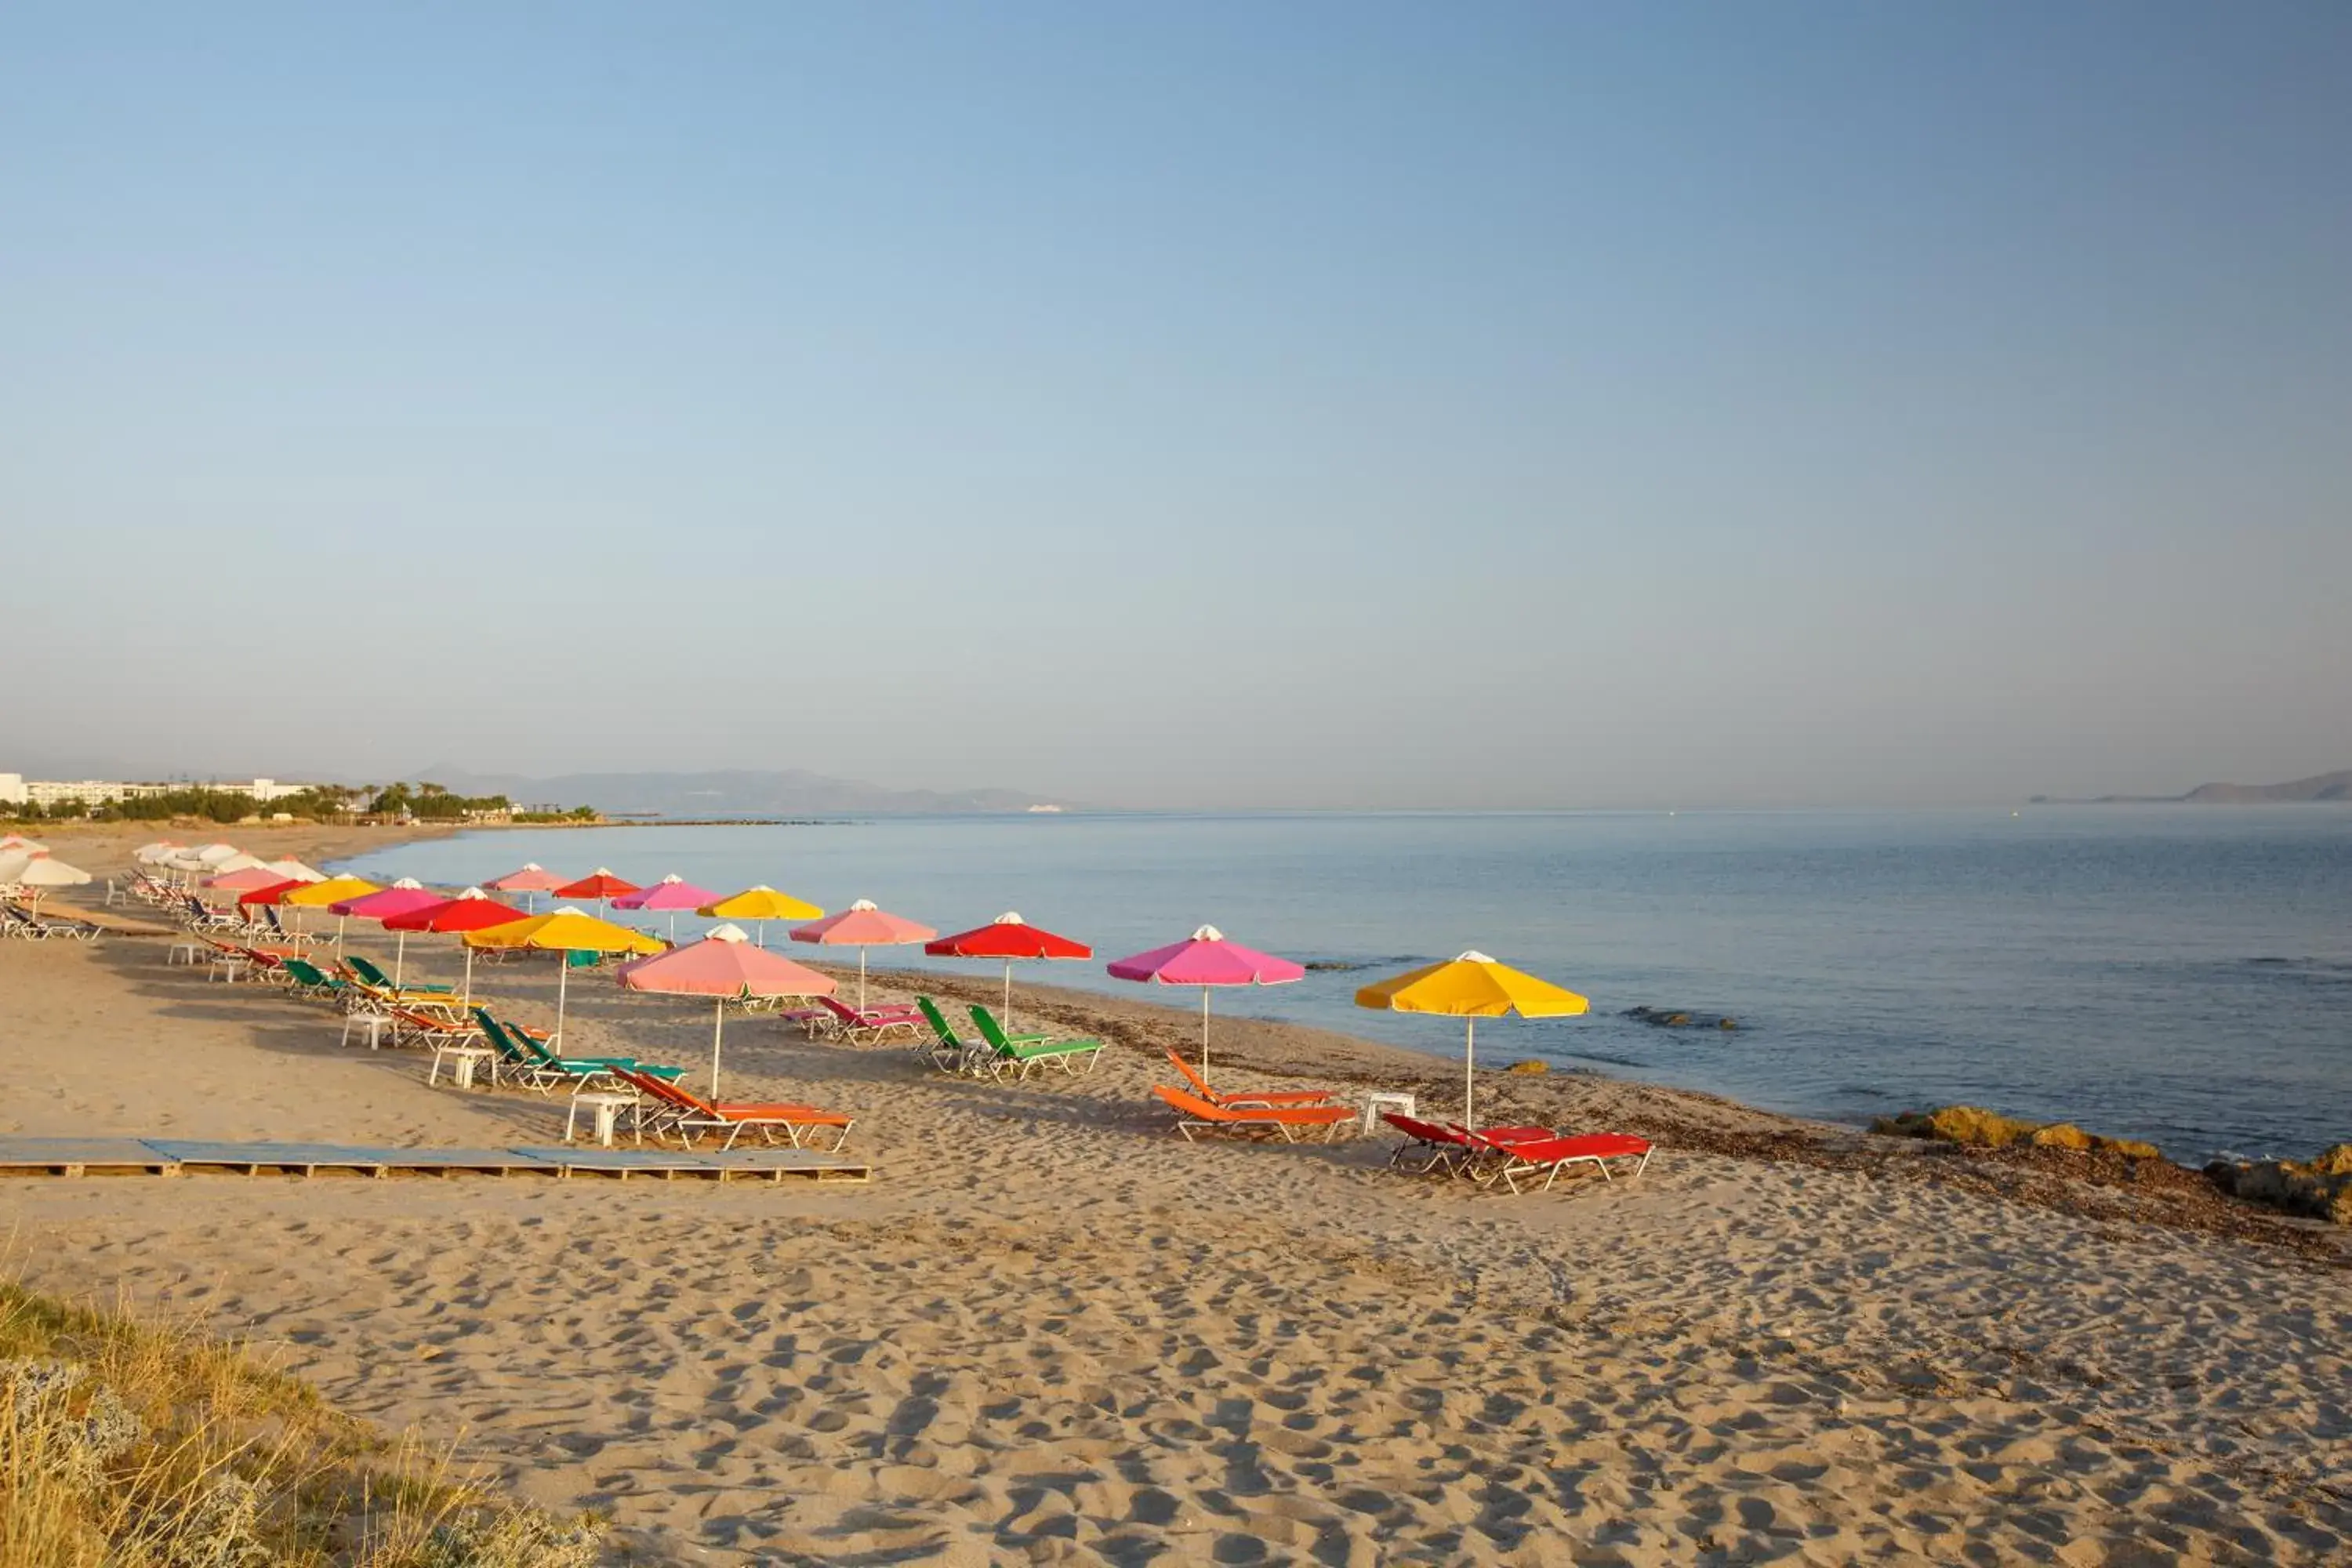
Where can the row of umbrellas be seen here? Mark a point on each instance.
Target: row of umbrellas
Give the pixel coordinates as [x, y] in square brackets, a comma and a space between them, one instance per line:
[729, 966]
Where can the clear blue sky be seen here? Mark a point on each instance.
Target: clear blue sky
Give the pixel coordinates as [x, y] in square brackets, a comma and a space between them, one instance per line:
[1201, 404]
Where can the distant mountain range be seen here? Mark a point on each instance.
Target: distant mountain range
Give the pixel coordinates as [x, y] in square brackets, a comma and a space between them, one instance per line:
[789, 792]
[2335, 786]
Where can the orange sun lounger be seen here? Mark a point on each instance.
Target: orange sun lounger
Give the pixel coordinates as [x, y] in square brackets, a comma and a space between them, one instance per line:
[1194, 1114]
[1547, 1157]
[680, 1111]
[1278, 1097]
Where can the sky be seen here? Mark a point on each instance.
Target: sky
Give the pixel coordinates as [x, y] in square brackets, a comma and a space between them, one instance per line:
[1201, 406]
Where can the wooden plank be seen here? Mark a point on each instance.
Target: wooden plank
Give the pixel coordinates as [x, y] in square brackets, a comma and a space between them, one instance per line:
[76, 1156]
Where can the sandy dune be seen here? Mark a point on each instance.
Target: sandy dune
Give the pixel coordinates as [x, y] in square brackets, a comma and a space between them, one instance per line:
[1050, 1331]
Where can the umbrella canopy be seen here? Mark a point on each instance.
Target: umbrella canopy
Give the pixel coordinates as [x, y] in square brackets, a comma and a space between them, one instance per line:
[759, 904]
[293, 870]
[1012, 938]
[240, 861]
[529, 879]
[13, 863]
[214, 854]
[1204, 958]
[29, 868]
[245, 879]
[862, 926]
[29, 845]
[672, 893]
[472, 909]
[273, 893]
[1472, 987]
[155, 854]
[599, 885]
[726, 966]
[566, 929]
[402, 895]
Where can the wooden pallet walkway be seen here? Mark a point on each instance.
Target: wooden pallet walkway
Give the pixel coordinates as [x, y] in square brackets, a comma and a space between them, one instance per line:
[175, 1156]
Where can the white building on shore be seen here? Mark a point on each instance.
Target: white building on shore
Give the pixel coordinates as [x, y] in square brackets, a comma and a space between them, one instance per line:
[16, 789]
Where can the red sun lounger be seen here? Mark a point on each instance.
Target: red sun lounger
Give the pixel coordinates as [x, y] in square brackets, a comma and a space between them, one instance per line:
[1547, 1157]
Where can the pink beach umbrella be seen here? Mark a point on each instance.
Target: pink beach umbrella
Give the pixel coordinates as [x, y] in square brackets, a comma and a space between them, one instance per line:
[862, 926]
[672, 893]
[531, 878]
[1206, 959]
[246, 879]
[402, 895]
[725, 966]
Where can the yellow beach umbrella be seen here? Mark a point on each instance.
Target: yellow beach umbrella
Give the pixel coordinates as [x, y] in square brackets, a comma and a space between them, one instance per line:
[1472, 987]
[565, 930]
[760, 905]
[333, 890]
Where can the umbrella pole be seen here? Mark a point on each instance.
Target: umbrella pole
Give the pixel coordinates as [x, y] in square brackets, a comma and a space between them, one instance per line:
[1008, 996]
[562, 979]
[469, 1003]
[718, 1028]
[341, 922]
[1204, 1034]
[763, 938]
[1469, 1062]
[861, 979]
[399, 961]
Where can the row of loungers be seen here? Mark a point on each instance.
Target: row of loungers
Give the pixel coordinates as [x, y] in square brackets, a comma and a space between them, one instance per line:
[30, 926]
[434, 1016]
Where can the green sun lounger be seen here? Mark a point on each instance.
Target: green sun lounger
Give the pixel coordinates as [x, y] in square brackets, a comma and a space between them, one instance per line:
[309, 980]
[541, 1069]
[1020, 1053]
[367, 970]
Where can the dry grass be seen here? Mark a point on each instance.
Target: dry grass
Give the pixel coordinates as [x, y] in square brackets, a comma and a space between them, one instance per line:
[130, 1445]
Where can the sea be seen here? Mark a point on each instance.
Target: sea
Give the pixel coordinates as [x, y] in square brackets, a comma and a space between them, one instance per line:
[2178, 973]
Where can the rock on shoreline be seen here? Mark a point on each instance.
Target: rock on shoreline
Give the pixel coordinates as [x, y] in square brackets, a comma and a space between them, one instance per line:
[1981, 1128]
[2321, 1189]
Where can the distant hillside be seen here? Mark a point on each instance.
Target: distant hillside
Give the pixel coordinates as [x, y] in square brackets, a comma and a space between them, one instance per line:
[790, 792]
[2324, 787]
[2335, 786]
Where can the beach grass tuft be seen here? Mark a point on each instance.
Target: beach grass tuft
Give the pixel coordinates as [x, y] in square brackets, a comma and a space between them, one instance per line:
[125, 1441]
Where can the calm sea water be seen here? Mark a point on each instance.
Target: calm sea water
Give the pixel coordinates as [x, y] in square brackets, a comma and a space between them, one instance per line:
[2180, 975]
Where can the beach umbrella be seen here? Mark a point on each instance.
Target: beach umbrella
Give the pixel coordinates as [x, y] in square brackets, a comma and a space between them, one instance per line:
[11, 865]
[240, 861]
[1205, 958]
[294, 870]
[759, 904]
[671, 893]
[270, 893]
[472, 909]
[402, 895]
[1012, 938]
[727, 967]
[1472, 987]
[862, 926]
[155, 854]
[600, 885]
[566, 930]
[18, 841]
[320, 895]
[530, 880]
[245, 879]
[214, 854]
[40, 873]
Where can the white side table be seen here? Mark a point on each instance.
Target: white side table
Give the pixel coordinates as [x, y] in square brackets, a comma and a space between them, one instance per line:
[373, 1024]
[172, 954]
[226, 966]
[1376, 1103]
[608, 1108]
[461, 1072]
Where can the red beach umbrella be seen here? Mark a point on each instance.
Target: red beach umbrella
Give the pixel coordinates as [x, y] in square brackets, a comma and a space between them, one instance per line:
[600, 885]
[275, 893]
[1009, 937]
[472, 909]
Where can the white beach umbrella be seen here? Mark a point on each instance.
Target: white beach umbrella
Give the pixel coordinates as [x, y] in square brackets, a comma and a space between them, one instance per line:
[214, 854]
[238, 862]
[293, 870]
[11, 865]
[29, 845]
[157, 853]
[43, 872]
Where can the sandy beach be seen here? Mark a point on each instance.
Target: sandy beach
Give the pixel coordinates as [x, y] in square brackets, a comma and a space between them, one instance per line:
[1050, 1330]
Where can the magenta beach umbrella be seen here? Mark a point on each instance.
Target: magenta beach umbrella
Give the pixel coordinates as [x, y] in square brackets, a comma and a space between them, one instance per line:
[401, 897]
[1206, 959]
[671, 893]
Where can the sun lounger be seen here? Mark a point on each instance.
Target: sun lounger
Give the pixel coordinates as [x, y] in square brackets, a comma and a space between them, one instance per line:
[367, 970]
[1194, 1114]
[950, 1051]
[197, 915]
[870, 1026]
[1513, 1161]
[530, 1060]
[1019, 1054]
[1436, 1143]
[1253, 1098]
[667, 1107]
[308, 980]
[26, 923]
